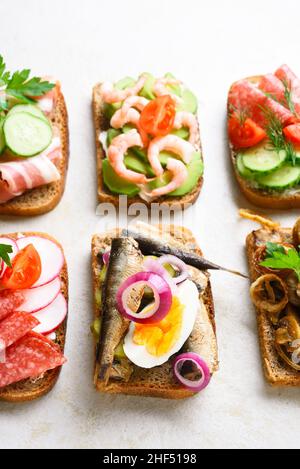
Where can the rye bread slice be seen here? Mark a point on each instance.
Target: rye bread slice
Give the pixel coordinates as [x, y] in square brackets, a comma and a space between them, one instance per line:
[260, 197]
[104, 195]
[30, 389]
[43, 199]
[276, 371]
[159, 381]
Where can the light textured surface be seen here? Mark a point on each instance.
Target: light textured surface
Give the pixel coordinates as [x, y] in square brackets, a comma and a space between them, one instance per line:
[208, 45]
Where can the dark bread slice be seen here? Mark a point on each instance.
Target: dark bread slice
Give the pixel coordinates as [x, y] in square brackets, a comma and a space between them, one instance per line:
[276, 371]
[43, 199]
[30, 389]
[260, 197]
[104, 195]
[159, 381]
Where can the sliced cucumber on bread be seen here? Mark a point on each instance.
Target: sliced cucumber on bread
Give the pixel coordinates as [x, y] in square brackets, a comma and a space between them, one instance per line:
[263, 160]
[283, 178]
[25, 134]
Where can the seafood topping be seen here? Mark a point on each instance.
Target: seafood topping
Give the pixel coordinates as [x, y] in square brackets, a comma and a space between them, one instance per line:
[287, 338]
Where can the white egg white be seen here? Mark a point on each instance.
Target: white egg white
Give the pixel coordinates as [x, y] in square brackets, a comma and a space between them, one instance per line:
[138, 354]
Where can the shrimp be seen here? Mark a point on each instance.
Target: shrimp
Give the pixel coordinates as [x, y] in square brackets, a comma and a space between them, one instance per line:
[179, 175]
[119, 119]
[137, 102]
[187, 119]
[116, 152]
[110, 95]
[160, 88]
[170, 143]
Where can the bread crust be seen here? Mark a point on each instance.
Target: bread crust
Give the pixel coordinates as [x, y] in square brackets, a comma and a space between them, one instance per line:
[104, 195]
[29, 390]
[260, 197]
[45, 198]
[276, 371]
[142, 386]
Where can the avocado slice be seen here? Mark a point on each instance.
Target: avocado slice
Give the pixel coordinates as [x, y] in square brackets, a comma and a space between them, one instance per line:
[111, 134]
[2, 138]
[195, 171]
[176, 89]
[182, 133]
[189, 103]
[116, 184]
[133, 162]
[147, 90]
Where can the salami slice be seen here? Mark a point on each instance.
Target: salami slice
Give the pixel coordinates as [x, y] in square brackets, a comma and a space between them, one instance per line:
[9, 302]
[285, 74]
[273, 86]
[247, 98]
[30, 357]
[15, 326]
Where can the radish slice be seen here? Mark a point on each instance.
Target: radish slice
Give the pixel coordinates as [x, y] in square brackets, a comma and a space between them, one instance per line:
[13, 244]
[52, 316]
[51, 255]
[36, 299]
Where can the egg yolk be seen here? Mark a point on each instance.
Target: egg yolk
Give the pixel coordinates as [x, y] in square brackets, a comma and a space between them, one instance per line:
[159, 338]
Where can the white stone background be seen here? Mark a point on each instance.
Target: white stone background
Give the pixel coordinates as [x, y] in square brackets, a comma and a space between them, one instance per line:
[208, 45]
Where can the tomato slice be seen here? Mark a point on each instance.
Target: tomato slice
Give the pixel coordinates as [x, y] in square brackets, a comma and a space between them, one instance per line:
[25, 271]
[292, 133]
[244, 134]
[157, 118]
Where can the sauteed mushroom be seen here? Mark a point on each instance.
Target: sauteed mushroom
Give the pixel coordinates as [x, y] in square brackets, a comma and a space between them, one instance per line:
[287, 339]
[269, 294]
[296, 234]
[293, 287]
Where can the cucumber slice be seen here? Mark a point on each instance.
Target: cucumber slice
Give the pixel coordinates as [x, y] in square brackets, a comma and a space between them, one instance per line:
[242, 170]
[2, 138]
[30, 108]
[262, 160]
[283, 178]
[26, 135]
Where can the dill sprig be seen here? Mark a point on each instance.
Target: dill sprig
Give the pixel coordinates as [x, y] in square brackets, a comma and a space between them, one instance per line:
[276, 137]
[240, 114]
[288, 96]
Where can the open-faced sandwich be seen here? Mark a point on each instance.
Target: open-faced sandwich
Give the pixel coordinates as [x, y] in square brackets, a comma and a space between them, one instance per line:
[33, 315]
[274, 263]
[33, 143]
[147, 141]
[264, 135]
[154, 325]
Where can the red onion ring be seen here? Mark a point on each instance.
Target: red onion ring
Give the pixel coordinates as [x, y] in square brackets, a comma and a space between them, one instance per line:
[106, 256]
[202, 367]
[173, 260]
[151, 265]
[162, 298]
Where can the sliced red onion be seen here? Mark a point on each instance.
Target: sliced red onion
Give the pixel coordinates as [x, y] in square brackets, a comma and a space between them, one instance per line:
[181, 266]
[151, 265]
[201, 366]
[106, 256]
[162, 298]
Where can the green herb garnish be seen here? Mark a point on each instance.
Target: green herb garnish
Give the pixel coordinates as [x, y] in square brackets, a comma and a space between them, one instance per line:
[5, 250]
[278, 258]
[19, 86]
[276, 136]
[288, 96]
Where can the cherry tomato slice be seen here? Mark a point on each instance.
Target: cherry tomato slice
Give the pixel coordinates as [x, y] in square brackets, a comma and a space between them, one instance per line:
[292, 133]
[157, 118]
[244, 134]
[25, 271]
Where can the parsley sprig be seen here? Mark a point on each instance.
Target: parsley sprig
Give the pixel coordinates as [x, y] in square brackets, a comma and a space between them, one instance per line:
[5, 250]
[278, 258]
[19, 86]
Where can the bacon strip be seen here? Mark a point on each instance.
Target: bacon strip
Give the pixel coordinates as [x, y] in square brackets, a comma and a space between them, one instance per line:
[18, 176]
[285, 74]
[47, 102]
[246, 97]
